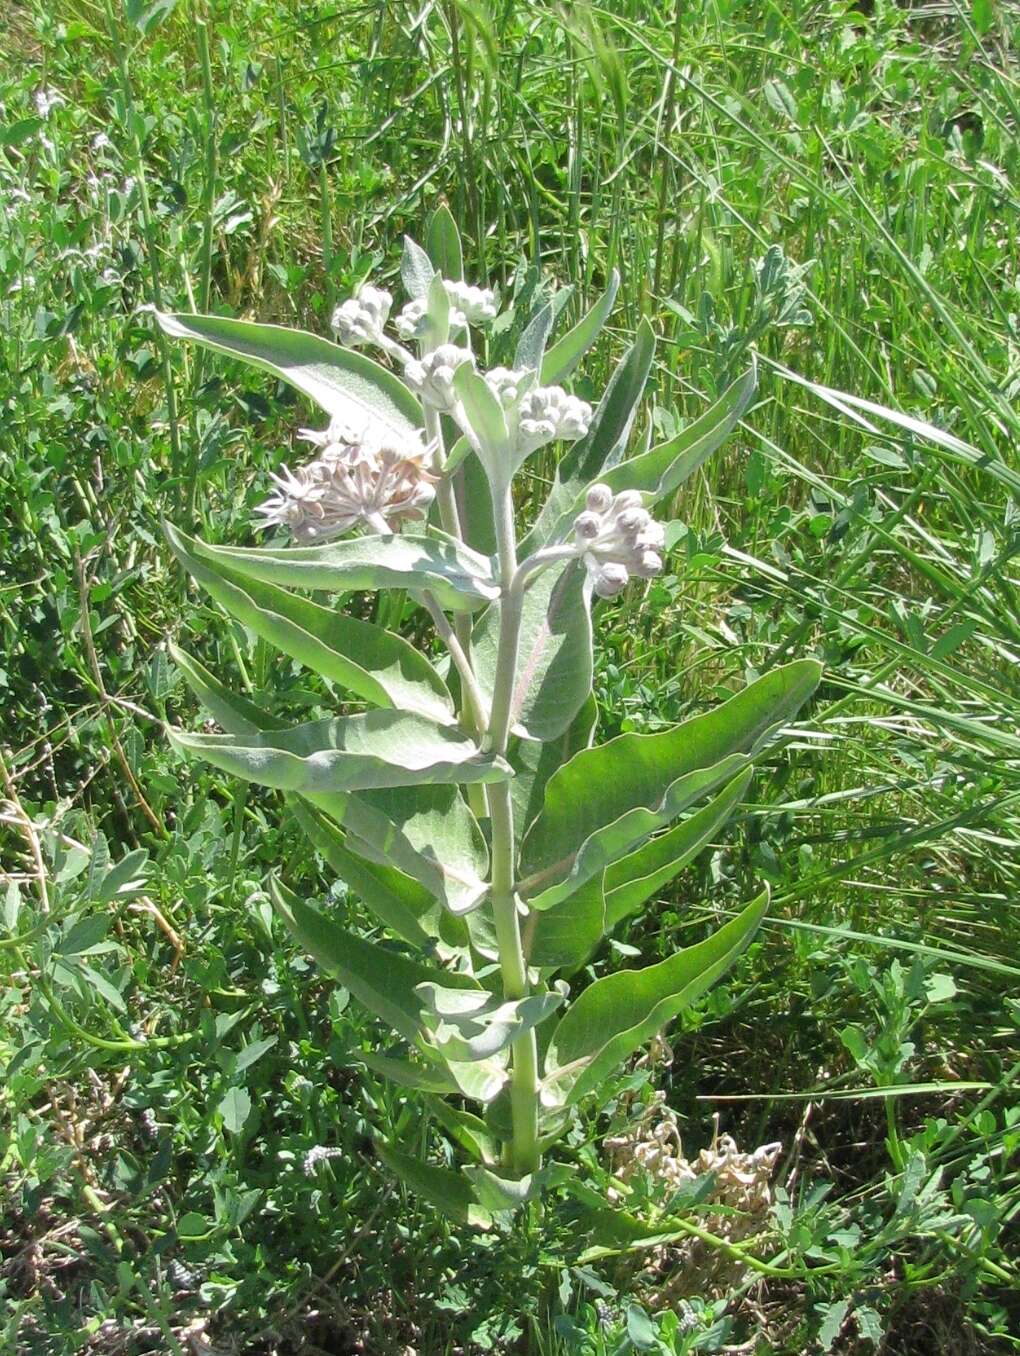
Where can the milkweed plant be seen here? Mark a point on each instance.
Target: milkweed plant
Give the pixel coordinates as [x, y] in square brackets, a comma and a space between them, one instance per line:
[463, 799]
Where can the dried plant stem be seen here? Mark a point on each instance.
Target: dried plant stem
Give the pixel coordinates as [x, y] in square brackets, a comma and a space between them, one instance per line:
[28, 833]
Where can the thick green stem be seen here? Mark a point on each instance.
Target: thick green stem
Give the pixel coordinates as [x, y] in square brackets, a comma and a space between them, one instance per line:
[450, 519]
[523, 1154]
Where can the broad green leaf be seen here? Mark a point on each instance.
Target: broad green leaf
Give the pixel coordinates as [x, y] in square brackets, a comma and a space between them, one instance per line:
[568, 351]
[442, 241]
[661, 470]
[396, 899]
[568, 933]
[629, 882]
[437, 317]
[449, 1191]
[535, 763]
[354, 753]
[458, 577]
[382, 980]
[125, 878]
[531, 345]
[565, 936]
[480, 1079]
[235, 713]
[349, 386]
[235, 1108]
[602, 447]
[376, 664]
[616, 1015]
[467, 1129]
[488, 423]
[664, 468]
[244, 719]
[418, 1077]
[554, 658]
[416, 270]
[500, 1194]
[607, 799]
[467, 1026]
[428, 832]
[474, 502]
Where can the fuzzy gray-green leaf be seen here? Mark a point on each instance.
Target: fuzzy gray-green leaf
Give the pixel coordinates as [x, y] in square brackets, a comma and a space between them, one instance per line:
[349, 386]
[554, 656]
[355, 753]
[460, 579]
[381, 979]
[561, 359]
[376, 664]
[607, 799]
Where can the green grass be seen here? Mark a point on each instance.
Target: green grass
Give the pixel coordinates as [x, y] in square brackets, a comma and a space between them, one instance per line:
[262, 161]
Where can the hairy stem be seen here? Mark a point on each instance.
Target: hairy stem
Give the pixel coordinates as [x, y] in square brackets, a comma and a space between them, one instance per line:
[472, 707]
[523, 1152]
[474, 701]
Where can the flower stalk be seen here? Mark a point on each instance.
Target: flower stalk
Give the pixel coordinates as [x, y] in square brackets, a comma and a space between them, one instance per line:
[523, 1152]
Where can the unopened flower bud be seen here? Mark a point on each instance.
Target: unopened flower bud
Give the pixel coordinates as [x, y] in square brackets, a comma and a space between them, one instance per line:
[470, 305]
[361, 319]
[611, 579]
[548, 413]
[507, 383]
[588, 526]
[410, 323]
[648, 565]
[616, 537]
[599, 498]
[633, 520]
[433, 376]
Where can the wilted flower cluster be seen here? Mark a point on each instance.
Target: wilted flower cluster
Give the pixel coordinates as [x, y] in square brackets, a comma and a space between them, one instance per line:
[617, 537]
[653, 1146]
[741, 1182]
[368, 480]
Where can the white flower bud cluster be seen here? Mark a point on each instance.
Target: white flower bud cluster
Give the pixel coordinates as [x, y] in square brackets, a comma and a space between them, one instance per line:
[366, 480]
[432, 376]
[361, 319]
[470, 305]
[547, 413]
[536, 415]
[617, 538]
[410, 323]
[509, 383]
